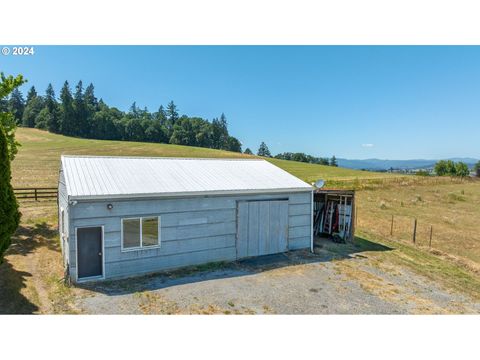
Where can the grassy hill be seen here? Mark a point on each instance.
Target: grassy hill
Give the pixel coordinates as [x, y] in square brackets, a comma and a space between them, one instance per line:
[38, 158]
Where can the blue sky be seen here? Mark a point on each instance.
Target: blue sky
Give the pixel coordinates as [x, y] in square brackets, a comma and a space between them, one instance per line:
[354, 102]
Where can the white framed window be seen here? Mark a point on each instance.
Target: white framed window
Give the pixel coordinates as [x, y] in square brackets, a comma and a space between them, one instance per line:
[140, 233]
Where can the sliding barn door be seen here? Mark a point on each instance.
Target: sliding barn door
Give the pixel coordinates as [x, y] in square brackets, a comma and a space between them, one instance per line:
[262, 227]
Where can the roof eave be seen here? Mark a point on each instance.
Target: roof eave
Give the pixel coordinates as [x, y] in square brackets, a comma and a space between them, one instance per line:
[188, 194]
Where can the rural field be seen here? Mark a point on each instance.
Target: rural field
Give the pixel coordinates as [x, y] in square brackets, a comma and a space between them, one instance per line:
[383, 272]
[38, 159]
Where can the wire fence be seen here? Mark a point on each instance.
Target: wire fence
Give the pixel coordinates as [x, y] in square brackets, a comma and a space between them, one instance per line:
[415, 231]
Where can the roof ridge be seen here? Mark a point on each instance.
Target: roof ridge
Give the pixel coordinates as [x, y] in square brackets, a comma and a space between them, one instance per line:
[159, 157]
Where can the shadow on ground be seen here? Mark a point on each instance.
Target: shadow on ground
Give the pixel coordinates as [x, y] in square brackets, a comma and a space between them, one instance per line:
[325, 250]
[26, 240]
[12, 301]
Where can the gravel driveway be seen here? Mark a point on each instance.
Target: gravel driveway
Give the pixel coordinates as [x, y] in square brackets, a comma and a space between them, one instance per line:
[294, 283]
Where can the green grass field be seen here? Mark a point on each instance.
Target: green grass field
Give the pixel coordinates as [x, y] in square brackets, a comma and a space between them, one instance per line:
[37, 161]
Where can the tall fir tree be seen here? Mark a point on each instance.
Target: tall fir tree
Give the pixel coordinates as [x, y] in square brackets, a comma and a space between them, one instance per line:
[91, 108]
[67, 114]
[16, 105]
[161, 115]
[80, 110]
[172, 112]
[32, 109]
[90, 99]
[53, 119]
[32, 93]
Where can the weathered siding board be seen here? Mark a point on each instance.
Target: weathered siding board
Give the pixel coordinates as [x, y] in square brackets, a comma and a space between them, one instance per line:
[300, 209]
[300, 198]
[144, 266]
[167, 219]
[298, 231]
[193, 230]
[299, 243]
[171, 248]
[300, 220]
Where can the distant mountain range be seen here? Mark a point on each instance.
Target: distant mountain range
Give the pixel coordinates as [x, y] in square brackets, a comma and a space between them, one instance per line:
[379, 164]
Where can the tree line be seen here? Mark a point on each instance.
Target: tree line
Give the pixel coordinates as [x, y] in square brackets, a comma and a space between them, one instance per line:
[80, 113]
[301, 157]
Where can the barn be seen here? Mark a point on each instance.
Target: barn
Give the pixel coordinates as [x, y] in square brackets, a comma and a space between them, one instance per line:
[127, 216]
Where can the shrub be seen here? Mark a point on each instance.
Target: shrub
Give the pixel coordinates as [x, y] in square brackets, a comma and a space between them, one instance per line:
[9, 214]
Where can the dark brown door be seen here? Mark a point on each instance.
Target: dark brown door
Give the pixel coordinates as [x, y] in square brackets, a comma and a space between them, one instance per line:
[89, 247]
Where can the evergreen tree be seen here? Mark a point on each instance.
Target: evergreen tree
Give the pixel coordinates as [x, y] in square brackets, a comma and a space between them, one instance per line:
[67, 117]
[333, 161]
[263, 150]
[134, 110]
[32, 109]
[224, 137]
[9, 214]
[32, 93]
[80, 111]
[161, 115]
[16, 105]
[248, 151]
[90, 99]
[220, 133]
[172, 113]
[52, 117]
[91, 108]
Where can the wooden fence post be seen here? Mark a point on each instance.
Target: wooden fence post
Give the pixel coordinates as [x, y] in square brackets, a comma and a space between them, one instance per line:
[36, 194]
[391, 227]
[431, 232]
[415, 230]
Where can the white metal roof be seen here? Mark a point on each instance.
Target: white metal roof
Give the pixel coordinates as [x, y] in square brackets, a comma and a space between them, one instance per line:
[126, 177]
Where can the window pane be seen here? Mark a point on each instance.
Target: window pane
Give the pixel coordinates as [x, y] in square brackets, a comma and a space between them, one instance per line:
[150, 231]
[131, 233]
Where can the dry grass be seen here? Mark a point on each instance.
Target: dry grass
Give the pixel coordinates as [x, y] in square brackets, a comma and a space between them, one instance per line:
[452, 209]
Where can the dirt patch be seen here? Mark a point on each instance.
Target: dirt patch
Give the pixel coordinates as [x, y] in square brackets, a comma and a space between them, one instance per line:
[369, 282]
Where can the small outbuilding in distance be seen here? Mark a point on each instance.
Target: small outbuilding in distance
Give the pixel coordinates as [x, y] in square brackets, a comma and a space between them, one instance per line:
[127, 216]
